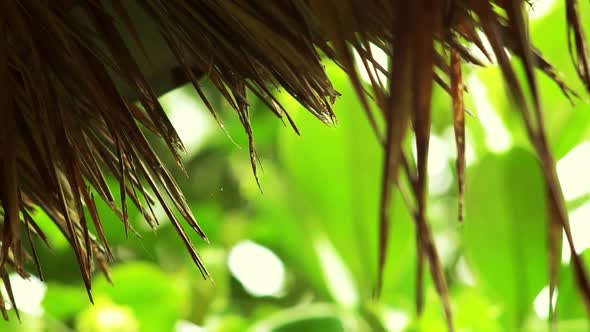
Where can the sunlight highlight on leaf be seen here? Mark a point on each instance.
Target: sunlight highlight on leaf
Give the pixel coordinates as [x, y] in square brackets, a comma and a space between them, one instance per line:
[479, 53]
[447, 244]
[338, 277]
[257, 268]
[439, 170]
[106, 316]
[540, 9]
[580, 231]
[497, 136]
[440, 176]
[395, 320]
[28, 294]
[112, 317]
[464, 272]
[381, 59]
[190, 120]
[449, 139]
[541, 303]
[186, 326]
[572, 171]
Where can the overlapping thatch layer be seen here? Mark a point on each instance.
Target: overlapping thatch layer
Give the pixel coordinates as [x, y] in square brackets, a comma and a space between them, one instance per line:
[69, 71]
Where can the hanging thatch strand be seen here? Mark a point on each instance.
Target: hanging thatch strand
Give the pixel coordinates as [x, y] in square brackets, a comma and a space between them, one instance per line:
[68, 75]
[65, 122]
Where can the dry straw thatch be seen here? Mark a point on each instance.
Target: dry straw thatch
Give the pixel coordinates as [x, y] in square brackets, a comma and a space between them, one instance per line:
[68, 76]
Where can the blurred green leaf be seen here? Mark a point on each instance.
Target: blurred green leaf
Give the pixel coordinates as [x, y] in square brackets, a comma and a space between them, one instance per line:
[505, 230]
[228, 323]
[311, 317]
[324, 324]
[155, 298]
[475, 312]
[105, 316]
[334, 176]
[63, 302]
[29, 323]
[569, 302]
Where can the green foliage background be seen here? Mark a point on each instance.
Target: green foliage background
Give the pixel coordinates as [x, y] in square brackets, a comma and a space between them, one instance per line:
[321, 190]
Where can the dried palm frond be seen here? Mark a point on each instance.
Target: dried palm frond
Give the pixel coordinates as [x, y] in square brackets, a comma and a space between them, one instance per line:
[68, 82]
[70, 70]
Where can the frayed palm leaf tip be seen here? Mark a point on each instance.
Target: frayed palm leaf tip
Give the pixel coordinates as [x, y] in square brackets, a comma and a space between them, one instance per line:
[71, 70]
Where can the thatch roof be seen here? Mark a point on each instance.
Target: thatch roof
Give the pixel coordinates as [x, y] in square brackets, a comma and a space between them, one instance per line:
[70, 71]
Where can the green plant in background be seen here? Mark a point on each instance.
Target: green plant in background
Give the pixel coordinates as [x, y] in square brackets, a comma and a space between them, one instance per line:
[300, 255]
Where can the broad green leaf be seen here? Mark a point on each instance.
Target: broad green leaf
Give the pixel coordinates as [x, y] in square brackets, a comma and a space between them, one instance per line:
[472, 311]
[333, 178]
[504, 235]
[569, 302]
